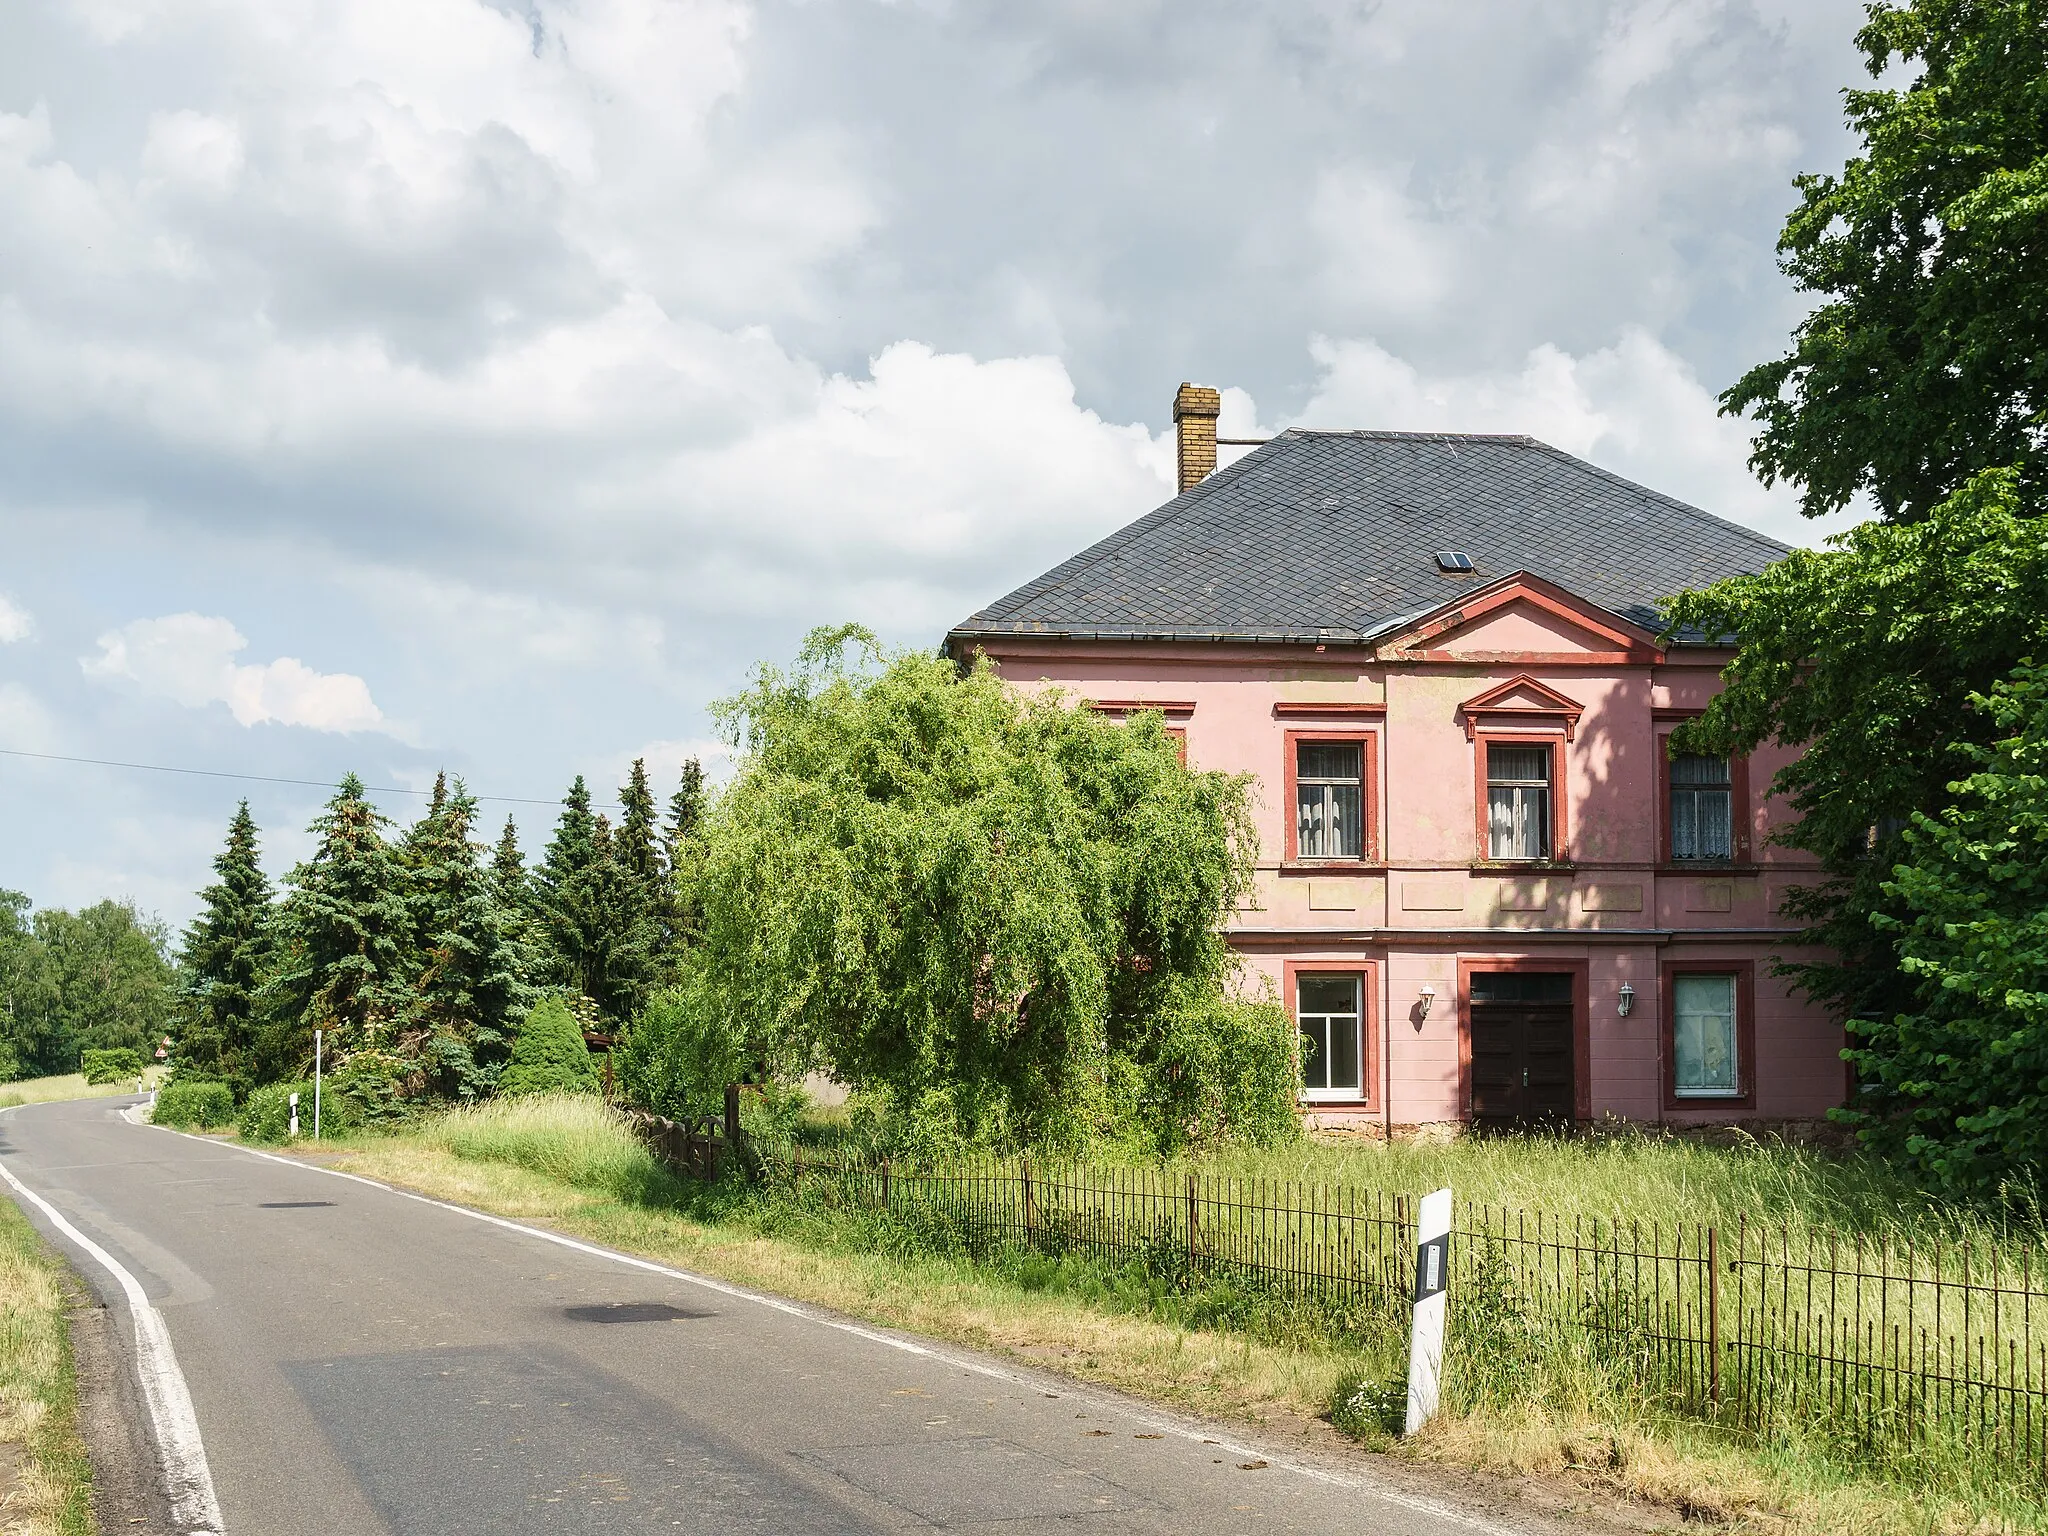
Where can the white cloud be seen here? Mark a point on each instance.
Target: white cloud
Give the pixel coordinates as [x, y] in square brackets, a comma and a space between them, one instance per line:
[16, 622]
[189, 659]
[26, 723]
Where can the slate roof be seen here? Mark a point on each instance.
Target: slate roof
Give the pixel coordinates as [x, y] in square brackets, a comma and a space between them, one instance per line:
[1332, 536]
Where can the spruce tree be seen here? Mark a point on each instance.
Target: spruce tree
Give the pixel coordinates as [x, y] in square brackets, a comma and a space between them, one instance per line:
[470, 987]
[345, 925]
[636, 847]
[222, 962]
[676, 912]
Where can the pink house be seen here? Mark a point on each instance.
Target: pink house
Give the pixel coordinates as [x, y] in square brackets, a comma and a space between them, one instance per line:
[1485, 889]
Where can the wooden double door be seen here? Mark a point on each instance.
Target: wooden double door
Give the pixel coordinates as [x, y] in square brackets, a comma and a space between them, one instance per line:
[1523, 1073]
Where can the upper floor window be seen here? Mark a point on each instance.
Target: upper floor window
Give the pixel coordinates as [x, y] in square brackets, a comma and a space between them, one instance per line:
[1702, 808]
[1518, 791]
[1329, 800]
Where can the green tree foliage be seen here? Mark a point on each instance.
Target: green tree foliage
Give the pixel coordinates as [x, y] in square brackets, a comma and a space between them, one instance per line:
[469, 966]
[1926, 358]
[1918, 380]
[95, 979]
[1960, 1078]
[113, 1066]
[549, 1055]
[599, 936]
[222, 965]
[989, 910]
[680, 1053]
[23, 985]
[1867, 655]
[345, 927]
[675, 910]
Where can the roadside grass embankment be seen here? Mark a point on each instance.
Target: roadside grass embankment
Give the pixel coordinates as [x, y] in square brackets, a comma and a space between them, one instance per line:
[1520, 1401]
[45, 1480]
[48, 1090]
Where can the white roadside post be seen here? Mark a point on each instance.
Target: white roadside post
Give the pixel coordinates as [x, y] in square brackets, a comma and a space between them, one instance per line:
[316, 1084]
[1432, 1281]
[295, 1115]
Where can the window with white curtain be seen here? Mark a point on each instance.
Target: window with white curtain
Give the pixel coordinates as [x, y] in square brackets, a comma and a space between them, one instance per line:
[1329, 800]
[1518, 791]
[1702, 808]
[1703, 1042]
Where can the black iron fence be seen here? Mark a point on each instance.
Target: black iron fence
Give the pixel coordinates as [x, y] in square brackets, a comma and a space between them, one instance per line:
[1885, 1344]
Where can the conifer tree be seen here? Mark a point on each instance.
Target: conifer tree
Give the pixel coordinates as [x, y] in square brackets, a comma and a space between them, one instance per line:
[470, 988]
[226, 950]
[508, 868]
[676, 912]
[345, 925]
[638, 852]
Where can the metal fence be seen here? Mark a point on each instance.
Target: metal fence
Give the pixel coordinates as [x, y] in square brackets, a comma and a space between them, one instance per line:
[1884, 1345]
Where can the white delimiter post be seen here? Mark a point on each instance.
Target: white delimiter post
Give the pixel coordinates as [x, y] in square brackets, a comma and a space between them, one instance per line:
[1432, 1280]
[316, 1084]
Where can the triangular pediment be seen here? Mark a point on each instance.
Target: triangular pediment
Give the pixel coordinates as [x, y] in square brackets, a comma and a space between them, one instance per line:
[1521, 699]
[1521, 619]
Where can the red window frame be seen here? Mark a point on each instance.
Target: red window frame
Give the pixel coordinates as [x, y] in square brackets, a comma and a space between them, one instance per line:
[1367, 974]
[1739, 811]
[1368, 795]
[1560, 821]
[1744, 972]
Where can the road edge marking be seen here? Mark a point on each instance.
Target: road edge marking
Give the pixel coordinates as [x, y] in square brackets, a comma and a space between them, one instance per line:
[181, 1453]
[1176, 1426]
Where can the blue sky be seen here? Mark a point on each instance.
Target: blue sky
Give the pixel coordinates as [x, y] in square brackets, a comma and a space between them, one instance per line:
[407, 384]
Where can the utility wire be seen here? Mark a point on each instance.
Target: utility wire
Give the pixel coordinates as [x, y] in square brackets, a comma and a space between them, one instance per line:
[259, 778]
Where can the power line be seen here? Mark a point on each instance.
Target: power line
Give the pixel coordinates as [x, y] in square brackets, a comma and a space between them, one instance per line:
[260, 778]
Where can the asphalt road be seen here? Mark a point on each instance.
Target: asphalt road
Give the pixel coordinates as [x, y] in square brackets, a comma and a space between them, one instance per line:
[365, 1362]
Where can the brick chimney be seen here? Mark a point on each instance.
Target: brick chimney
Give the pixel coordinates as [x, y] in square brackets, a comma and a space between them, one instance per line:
[1195, 409]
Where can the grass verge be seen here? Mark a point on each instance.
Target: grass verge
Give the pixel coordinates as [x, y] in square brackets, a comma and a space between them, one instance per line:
[48, 1090]
[45, 1481]
[568, 1165]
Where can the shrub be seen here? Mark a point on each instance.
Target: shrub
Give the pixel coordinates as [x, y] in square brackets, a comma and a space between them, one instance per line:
[111, 1066]
[1219, 1069]
[268, 1114]
[549, 1055]
[195, 1104]
[679, 1054]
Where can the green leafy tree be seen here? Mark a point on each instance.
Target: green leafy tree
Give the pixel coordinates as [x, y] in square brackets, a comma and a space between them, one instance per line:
[1926, 358]
[548, 1055]
[1916, 381]
[1961, 1076]
[24, 986]
[106, 982]
[470, 986]
[986, 909]
[345, 929]
[1866, 655]
[226, 951]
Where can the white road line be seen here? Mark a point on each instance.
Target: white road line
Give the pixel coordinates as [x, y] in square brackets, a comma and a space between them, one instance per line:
[1180, 1429]
[182, 1455]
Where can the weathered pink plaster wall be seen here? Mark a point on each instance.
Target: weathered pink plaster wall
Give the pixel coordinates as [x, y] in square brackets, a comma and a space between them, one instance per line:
[1426, 895]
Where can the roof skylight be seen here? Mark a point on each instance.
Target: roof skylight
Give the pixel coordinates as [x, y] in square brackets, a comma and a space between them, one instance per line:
[1454, 562]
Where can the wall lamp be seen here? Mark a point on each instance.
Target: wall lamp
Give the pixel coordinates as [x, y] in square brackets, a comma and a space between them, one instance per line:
[1425, 996]
[1625, 1000]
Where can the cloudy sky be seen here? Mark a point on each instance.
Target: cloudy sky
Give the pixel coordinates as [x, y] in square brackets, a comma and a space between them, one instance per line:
[397, 384]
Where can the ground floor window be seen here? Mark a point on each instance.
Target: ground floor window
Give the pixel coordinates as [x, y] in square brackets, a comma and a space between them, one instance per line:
[1704, 1038]
[1329, 1011]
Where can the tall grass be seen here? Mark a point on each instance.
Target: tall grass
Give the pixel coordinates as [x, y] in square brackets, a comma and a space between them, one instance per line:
[570, 1137]
[38, 1392]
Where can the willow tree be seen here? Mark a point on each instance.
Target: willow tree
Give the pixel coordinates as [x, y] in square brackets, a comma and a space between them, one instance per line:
[1001, 915]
